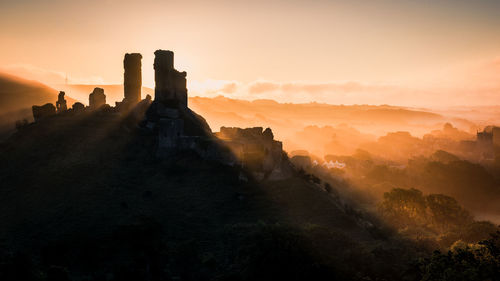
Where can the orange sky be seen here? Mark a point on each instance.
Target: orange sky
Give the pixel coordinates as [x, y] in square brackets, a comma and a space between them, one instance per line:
[417, 53]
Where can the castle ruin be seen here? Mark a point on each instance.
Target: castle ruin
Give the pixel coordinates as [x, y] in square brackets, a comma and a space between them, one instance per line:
[61, 105]
[97, 99]
[254, 148]
[132, 80]
[176, 127]
[180, 129]
[41, 112]
[170, 84]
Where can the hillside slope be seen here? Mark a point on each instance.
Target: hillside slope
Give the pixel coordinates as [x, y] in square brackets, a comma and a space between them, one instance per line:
[85, 193]
[17, 95]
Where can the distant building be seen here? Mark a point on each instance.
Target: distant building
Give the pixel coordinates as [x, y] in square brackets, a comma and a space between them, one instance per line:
[489, 136]
[485, 138]
[488, 142]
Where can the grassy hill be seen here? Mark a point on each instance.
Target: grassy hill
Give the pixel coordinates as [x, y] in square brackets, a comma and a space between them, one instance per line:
[17, 95]
[85, 196]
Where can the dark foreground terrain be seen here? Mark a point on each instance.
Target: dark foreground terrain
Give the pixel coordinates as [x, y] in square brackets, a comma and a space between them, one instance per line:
[83, 197]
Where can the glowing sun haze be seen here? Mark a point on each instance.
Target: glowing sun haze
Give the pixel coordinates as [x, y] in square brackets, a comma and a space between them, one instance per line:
[421, 53]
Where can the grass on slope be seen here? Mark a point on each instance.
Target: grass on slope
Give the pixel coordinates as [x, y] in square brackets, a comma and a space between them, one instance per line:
[88, 194]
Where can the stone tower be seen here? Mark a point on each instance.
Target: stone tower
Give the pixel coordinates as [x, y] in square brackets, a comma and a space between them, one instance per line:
[132, 79]
[170, 84]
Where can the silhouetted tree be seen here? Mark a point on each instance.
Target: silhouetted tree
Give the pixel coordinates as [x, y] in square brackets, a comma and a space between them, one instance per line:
[466, 262]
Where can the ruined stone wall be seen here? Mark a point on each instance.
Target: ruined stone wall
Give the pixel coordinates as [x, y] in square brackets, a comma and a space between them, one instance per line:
[235, 133]
[97, 98]
[40, 112]
[256, 149]
[132, 79]
[78, 107]
[170, 84]
[170, 130]
[61, 103]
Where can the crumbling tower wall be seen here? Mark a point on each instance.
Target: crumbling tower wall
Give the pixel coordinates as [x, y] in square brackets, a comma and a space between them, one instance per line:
[61, 104]
[132, 79]
[170, 84]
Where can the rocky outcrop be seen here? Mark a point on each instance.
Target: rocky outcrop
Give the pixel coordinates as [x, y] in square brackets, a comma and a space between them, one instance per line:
[40, 112]
[97, 99]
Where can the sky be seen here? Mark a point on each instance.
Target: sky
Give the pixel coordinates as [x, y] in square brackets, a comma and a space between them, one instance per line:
[413, 53]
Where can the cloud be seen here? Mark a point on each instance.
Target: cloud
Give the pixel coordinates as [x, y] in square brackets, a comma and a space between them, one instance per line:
[347, 87]
[342, 92]
[262, 87]
[470, 83]
[493, 64]
[488, 73]
[353, 93]
[296, 91]
[229, 88]
[212, 87]
[476, 83]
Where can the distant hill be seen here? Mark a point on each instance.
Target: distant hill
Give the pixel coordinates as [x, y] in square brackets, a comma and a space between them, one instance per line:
[285, 118]
[17, 95]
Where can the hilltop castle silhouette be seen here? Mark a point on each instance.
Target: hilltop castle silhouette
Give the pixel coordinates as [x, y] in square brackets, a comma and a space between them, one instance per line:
[178, 128]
